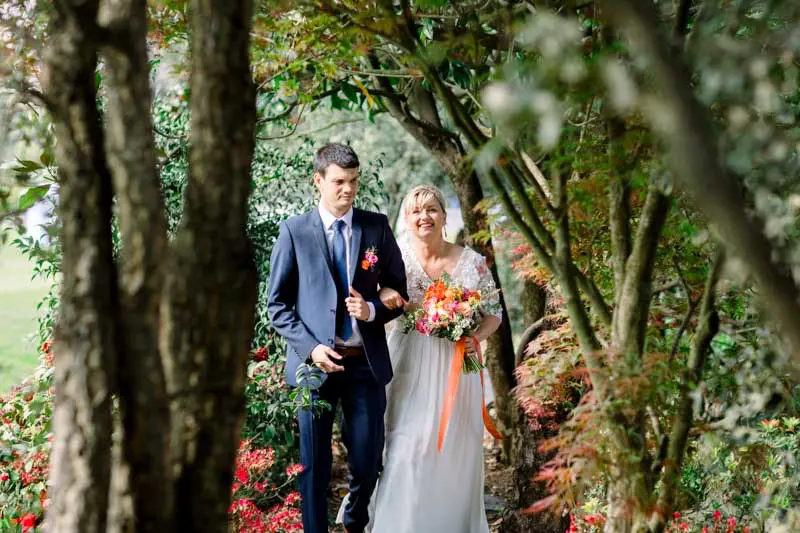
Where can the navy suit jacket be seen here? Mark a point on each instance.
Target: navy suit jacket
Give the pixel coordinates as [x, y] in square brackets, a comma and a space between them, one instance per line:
[302, 292]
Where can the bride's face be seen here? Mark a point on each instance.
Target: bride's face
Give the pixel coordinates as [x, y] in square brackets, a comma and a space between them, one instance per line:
[426, 220]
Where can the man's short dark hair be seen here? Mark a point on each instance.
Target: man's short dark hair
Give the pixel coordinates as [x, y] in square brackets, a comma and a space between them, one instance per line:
[335, 154]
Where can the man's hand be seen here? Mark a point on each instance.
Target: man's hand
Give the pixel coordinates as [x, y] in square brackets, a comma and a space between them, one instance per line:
[357, 306]
[325, 358]
[391, 298]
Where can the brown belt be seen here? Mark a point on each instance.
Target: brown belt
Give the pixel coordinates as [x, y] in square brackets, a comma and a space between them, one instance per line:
[349, 351]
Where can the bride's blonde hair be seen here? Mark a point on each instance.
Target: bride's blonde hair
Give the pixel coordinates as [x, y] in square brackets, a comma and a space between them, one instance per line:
[421, 195]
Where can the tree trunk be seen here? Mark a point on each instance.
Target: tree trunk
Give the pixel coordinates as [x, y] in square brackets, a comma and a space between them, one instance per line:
[528, 460]
[86, 333]
[144, 431]
[210, 291]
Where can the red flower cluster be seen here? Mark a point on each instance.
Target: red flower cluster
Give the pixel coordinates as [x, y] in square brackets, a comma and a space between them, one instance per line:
[595, 522]
[252, 493]
[261, 354]
[32, 468]
[27, 522]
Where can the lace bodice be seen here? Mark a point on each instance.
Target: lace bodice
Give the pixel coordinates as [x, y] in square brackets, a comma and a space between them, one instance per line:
[471, 271]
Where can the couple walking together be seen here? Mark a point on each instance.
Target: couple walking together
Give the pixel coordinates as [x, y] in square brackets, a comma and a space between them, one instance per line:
[337, 277]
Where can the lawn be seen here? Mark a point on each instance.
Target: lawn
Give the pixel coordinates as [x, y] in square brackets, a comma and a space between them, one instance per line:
[19, 295]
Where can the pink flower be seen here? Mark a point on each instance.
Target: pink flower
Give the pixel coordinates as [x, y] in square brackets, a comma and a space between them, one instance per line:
[4, 476]
[676, 515]
[717, 515]
[422, 327]
[292, 498]
[293, 470]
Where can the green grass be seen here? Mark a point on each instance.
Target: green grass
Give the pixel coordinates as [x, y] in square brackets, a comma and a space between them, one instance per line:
[19, 295]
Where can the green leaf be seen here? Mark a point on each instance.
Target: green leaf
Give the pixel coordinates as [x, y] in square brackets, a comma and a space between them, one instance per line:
[337, 103]
[351, 92]
[27, 166]
[31, 196]
[47, 158]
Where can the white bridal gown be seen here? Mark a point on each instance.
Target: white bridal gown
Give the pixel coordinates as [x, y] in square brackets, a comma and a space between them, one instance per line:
[423, 490]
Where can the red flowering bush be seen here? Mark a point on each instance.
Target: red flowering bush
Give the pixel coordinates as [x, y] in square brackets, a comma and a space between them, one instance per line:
[25, 435]
[587, 520]
[270, 413]
[258, 505]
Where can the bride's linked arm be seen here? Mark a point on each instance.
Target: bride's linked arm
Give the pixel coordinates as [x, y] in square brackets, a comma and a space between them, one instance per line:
[392, 276]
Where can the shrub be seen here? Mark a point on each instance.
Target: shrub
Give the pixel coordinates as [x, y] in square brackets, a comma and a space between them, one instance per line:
[25, 435]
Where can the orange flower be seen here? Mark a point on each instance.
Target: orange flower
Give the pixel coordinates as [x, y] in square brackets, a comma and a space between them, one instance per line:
[436, 290]
[365, 264]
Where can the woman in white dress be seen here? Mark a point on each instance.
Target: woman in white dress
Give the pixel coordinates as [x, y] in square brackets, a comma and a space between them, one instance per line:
[423, 489]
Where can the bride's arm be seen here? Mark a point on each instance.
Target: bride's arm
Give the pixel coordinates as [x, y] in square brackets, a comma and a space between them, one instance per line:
[488, 326]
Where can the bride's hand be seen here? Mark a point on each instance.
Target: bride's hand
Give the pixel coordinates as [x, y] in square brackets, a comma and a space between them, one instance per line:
[391, 298]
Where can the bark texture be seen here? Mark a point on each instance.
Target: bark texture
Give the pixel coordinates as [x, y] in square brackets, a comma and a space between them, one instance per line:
[86, 331]
[208, 309]
[144, 410]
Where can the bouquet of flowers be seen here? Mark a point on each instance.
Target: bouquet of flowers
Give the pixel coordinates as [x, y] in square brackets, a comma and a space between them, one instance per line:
[448, 311]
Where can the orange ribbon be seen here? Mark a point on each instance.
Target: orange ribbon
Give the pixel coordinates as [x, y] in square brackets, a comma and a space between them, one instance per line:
[456, 369]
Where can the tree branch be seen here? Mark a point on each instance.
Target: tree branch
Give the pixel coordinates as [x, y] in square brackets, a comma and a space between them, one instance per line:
[634, 302]
[619, 192]
[691, 306]
[326, 127]
[291, 131]
[581, 324]
[538, 248]
[708, 327]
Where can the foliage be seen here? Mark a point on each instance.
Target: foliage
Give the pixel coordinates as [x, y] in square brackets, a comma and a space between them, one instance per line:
[751, 473]
[254, 490]
[588, 519]
[623, 436]
[25, 435]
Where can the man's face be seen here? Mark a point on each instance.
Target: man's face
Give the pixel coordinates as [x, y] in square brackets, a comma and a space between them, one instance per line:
[337, 188]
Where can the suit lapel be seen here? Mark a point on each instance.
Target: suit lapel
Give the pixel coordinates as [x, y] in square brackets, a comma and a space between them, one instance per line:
[355, 245]
[322, 241]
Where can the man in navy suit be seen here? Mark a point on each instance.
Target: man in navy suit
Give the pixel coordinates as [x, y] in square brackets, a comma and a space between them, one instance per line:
[326, 270]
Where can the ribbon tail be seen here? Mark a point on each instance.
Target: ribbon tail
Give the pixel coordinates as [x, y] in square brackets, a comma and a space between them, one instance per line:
[456, 367]
[487, 420]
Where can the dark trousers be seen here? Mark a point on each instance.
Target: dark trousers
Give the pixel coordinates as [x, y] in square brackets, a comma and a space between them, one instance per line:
[363, 402]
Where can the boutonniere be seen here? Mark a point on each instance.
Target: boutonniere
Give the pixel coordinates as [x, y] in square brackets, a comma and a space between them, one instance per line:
[370, 259]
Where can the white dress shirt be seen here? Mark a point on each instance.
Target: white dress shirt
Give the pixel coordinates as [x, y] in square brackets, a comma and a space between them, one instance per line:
[327, 222]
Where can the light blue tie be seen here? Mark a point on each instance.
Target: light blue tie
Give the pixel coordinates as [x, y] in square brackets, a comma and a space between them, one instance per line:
[344, 328]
